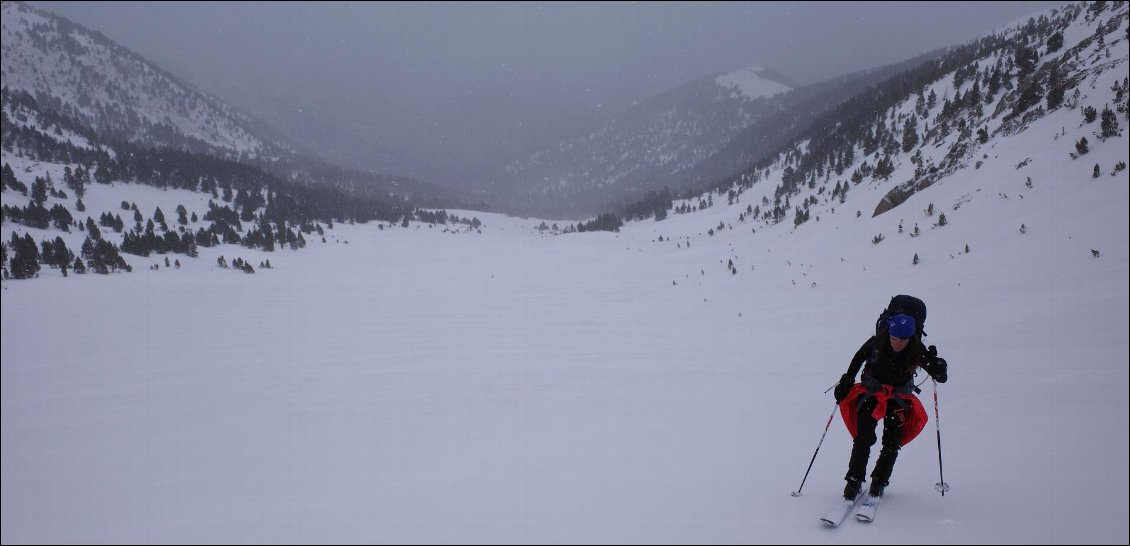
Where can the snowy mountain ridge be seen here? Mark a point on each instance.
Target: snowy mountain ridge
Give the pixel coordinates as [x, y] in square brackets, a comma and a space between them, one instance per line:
[750, 83]
[119, 93]
[933, 133]
[594, 169]
[952, 125]
[661, 138]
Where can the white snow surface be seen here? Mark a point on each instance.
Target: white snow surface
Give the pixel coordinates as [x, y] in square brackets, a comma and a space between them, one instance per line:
[413, 385]
[748, 82]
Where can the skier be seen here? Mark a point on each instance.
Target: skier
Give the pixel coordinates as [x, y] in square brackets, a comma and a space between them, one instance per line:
[890, 360]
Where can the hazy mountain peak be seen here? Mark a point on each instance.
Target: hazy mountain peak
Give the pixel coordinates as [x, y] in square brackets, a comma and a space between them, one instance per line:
[754, 82]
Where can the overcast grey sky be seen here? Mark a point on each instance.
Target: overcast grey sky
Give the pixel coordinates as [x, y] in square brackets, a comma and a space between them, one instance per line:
[400, 68]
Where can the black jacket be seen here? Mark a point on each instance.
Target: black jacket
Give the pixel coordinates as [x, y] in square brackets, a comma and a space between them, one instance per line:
[891, 368]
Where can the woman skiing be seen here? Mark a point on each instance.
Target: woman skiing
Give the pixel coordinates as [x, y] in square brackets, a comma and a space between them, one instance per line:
[890, 360]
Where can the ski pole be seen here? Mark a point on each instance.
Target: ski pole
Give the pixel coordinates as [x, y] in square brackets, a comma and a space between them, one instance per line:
[941, 486]
[829, 424]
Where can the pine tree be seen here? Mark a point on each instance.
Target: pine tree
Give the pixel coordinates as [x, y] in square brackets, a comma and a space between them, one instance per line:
[61, 217]
[915, 258]
[994, 85]
[25, 257]
[75, 180]
[8, 179]
[1029, 96]
[973, 98]
[1089, 114]
[1056, 89]
[1055, 42]
[1097, 172]
[39, 191]
[1081, 146]
[910, 134]
[102, 175]
[102, 257]
[1109, 124]
[1025, 59]
[92, 230]
[60, 255]
[884, 168]
[47, 253]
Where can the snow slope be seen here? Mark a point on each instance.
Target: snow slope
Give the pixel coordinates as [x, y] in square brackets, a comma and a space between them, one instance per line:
[412, 385]
[110, 87]
[750, 83]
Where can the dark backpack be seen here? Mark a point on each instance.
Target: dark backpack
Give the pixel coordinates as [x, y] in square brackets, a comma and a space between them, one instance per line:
[902, 305]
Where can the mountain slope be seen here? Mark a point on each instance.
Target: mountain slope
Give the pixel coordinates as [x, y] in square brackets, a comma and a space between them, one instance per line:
[652, 143]
[931, 120]
[120, 94]
[684, 140]
[837, 119]
[77, 80]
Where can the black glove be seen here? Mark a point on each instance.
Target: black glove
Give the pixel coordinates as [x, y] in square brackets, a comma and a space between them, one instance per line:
[935, 365]
[843, 388]
[939, 370]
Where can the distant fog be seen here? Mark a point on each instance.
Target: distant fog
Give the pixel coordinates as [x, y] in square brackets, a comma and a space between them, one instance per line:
[450, 92]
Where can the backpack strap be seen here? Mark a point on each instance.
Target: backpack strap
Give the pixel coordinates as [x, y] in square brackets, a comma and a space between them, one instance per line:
[867, 379]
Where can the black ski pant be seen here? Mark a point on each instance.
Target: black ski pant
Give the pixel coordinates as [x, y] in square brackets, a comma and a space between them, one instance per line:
[865, 438]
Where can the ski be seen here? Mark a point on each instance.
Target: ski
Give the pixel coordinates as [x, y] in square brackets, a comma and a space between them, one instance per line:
[866, 511]
[838, 513]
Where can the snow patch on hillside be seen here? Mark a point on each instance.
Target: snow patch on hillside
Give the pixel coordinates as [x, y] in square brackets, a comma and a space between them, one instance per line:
[749, 83]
